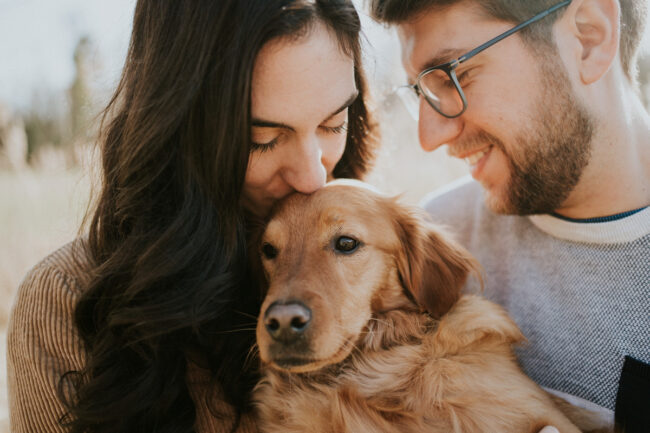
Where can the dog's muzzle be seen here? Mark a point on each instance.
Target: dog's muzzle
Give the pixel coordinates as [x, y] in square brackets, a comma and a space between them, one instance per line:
[286, 323]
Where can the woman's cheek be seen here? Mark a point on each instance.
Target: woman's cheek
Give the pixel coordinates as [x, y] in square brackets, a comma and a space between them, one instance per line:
[257, 167]
[334, 153]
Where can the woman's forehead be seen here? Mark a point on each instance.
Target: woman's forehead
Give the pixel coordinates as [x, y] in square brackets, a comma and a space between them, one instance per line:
[294, 80]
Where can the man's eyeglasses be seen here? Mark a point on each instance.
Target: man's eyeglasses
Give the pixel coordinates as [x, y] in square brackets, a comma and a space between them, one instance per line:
[439, 85]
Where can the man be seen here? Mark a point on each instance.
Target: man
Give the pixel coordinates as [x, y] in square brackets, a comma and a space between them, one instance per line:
[548, 118]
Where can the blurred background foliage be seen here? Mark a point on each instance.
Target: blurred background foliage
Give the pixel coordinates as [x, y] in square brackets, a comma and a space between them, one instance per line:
[52, 123]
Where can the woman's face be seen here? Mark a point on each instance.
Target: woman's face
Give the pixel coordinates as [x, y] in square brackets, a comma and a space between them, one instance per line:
[301, 91]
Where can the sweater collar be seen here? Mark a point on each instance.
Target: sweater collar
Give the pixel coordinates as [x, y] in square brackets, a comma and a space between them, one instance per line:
[622, 230]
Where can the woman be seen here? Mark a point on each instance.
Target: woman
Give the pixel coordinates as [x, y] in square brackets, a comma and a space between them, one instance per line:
[224, 107]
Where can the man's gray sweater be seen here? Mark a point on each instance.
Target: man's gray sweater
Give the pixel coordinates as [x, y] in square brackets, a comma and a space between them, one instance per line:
[579, 291]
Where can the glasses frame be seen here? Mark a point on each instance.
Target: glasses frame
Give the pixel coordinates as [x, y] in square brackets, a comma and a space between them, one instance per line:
[450, 67]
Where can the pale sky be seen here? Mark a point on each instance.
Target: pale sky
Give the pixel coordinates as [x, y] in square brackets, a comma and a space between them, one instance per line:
[37, 39]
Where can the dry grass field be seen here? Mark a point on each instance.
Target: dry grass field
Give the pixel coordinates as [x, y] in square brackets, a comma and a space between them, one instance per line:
[40, 211]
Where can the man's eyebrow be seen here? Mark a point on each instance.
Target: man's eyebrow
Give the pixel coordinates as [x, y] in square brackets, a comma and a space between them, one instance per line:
[444, 56]
[260, 123]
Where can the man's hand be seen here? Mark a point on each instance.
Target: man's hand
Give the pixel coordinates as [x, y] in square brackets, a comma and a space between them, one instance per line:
[549, 429]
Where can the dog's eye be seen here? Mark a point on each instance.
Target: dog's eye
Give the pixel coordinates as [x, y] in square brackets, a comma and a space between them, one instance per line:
[345, 244]
[269, 251]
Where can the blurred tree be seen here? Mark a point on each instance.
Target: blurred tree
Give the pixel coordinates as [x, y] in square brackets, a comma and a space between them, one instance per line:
[79, 93]
[13, 140]
[62, 122]
[45, 122]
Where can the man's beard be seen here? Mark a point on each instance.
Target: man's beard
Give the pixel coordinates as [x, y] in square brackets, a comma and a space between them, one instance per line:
[553, 150]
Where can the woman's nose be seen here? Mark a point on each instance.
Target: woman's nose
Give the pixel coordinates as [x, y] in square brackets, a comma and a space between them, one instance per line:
[434, 129]
[305, 171]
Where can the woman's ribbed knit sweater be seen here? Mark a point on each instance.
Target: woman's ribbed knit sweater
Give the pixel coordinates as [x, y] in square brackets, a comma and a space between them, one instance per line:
[43, 343]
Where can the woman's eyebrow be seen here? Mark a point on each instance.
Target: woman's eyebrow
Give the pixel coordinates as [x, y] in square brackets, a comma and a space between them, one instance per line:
[268, 124]
[260, 123]
[353, 97]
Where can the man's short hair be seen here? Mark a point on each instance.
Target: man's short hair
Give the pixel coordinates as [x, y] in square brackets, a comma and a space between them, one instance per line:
[633, 20]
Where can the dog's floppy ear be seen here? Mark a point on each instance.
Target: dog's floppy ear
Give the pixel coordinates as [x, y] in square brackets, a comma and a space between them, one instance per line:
[432, 266]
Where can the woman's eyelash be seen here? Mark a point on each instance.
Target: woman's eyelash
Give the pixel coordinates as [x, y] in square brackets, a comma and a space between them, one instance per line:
[336, 129]
[263, 147]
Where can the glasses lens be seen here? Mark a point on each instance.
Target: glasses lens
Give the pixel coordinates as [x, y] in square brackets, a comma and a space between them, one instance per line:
[410, 99]
[441, 92]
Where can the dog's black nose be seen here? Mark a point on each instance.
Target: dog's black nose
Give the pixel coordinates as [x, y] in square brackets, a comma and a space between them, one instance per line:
[287, 322]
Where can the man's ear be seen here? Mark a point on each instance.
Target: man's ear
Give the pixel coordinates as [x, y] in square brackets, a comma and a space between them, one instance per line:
[432, 267]
[594, 25]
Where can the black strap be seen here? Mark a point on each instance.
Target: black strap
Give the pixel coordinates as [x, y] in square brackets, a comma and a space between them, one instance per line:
[632, 412]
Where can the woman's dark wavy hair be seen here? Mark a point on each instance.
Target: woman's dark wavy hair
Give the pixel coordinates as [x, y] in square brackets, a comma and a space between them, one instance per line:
[167, 239]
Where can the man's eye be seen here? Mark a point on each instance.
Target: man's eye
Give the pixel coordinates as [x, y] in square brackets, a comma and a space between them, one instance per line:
[269, 251]
[449, 83]
[463, 77]
[346, 245]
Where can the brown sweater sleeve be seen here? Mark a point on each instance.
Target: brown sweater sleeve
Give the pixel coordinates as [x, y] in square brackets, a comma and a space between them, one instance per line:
[42, 344]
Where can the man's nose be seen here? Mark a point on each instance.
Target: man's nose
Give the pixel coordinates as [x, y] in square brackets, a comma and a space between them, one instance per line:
[434, 129]
[306, 171]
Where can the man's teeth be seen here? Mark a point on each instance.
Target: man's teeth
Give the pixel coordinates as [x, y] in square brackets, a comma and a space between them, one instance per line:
[476, 157]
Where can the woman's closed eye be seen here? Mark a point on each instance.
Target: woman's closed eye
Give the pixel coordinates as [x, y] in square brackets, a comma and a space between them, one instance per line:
[343, 127]
[270, 145]
[263, 147]
[337, 123]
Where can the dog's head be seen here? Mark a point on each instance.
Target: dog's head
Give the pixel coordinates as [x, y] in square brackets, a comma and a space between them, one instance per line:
[337, 257]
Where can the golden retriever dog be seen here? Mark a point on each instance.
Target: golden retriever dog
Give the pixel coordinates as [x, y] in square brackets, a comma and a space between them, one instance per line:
[364, 329]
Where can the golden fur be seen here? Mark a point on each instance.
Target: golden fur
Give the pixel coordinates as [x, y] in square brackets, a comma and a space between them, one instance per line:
[392, 346]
